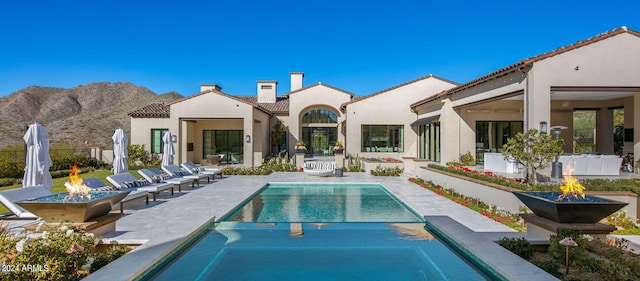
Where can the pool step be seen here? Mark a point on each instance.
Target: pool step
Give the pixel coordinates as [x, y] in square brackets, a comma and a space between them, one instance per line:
[295, 230]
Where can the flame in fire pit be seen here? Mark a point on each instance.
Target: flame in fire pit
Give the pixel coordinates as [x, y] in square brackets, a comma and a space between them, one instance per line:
[75, 187]
[571, 187]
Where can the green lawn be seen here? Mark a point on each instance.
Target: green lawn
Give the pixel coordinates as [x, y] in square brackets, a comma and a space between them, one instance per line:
[58, 184]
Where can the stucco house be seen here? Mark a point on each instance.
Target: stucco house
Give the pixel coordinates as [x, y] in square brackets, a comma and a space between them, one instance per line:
[429, 119]
[240, 127]
[600, 74]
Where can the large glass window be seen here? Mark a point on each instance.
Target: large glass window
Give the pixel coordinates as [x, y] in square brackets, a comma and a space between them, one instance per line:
[430, 141]
[226, 142]
[319, 116]
[584, 131]
[382, 138]
[156, 140]
[320, 141]
[492, 135]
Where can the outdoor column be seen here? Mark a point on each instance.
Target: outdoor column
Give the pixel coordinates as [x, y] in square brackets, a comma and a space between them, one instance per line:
[604, 131]
[636, 131]
[299, 158]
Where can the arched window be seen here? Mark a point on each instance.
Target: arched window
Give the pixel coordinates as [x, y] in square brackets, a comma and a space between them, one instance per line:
[319, 116]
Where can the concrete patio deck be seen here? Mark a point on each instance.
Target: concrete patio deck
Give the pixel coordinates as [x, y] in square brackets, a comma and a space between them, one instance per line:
[161, 225]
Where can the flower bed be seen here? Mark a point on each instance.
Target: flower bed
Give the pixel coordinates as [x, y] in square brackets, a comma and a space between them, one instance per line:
[497, 190]
[493, 212]
[369, 164]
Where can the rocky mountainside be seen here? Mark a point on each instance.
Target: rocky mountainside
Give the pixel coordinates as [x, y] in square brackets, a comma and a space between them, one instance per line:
[85, 116]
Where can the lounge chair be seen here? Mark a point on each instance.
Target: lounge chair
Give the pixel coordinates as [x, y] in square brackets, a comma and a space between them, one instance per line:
[193, 169]
[176, 171]
[126, 181]
[151, 174]
[95, 184]
[322, 169]
[9, 197]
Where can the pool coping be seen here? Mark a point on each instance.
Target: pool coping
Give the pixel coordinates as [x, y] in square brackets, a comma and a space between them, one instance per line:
[167, 223]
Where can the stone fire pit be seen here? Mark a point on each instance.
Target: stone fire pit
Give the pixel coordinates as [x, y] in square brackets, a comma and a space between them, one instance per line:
[62, 207]
[590, 209]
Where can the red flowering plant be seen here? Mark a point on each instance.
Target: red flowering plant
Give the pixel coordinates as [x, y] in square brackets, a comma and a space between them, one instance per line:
[493, 212]
[490, 177]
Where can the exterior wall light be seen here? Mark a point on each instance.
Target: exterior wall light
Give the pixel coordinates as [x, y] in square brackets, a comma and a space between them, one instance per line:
[543, 127]
[174, 138]
[247, 138]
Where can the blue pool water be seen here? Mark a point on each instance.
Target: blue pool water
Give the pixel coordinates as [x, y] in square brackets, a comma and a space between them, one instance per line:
[288, 202]
[317, 232]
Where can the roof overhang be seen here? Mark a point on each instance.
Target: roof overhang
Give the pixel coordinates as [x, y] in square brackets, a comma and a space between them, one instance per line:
[425, 121]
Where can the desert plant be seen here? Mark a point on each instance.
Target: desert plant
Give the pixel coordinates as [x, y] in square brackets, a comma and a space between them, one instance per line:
[354, 164]
[534, 150]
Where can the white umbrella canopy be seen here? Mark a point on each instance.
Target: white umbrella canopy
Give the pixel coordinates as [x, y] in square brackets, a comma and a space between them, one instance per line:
[167, 149]
[38, 161]
[120, 141]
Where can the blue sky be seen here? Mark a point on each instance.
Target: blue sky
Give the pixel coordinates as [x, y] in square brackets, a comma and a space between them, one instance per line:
[358, 46]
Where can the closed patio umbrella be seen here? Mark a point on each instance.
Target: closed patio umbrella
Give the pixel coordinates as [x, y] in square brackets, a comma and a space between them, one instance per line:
[38, 161]
[167, 149]
[120, 141]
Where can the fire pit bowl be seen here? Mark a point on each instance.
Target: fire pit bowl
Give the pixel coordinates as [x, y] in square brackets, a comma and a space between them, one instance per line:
[62, 207]
[590, 209]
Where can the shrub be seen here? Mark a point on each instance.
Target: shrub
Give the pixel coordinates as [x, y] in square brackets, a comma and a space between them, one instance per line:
[549, 266]
[246, 171]
[518, 246]
[137, 152]
[467, 159]
[390, 171]
[60, 255]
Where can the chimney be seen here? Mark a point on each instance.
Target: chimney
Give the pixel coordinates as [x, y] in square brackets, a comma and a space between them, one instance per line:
[206, 87]
[267, 91]
[296, 80]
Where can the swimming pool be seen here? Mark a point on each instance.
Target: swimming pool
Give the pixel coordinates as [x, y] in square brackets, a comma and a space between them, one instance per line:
[291, 202]
[330, 237]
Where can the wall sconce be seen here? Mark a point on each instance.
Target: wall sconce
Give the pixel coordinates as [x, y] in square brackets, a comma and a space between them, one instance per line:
[174, 138]
[247, 138]
[543, 127]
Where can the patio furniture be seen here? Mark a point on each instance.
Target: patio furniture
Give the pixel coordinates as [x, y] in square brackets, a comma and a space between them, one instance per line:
[317, 168]
[155, 175]
[127, 181]
[191, 167]
[95, 184]
[214, 159]
[176, 171]
[10, 196]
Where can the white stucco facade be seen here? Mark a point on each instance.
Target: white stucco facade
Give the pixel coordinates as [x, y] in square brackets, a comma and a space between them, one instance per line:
[438, 118]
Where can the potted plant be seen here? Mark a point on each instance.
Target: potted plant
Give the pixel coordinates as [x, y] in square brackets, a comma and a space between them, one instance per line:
[338, 148]
[300, 148]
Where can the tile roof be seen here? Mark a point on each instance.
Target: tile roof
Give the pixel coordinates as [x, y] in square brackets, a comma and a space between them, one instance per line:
[154, 110]
[525, 63]
[357, 99]
[281, 106]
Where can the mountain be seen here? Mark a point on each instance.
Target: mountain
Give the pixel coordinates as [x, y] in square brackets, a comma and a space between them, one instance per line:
[84, 116]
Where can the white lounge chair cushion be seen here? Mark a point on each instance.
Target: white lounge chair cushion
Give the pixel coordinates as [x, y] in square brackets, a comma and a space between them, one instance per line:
[10, 196]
